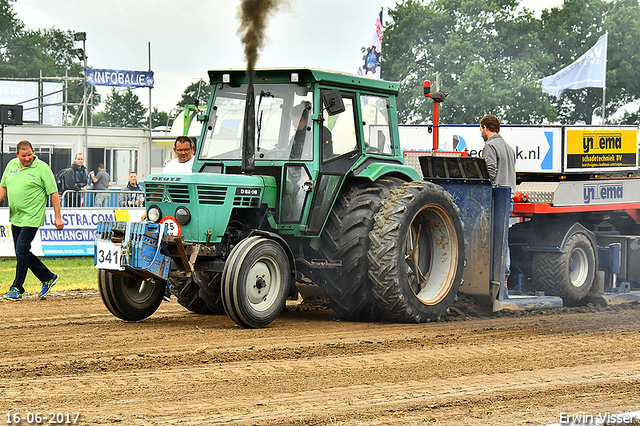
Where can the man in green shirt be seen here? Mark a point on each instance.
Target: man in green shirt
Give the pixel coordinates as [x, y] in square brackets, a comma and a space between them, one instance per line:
[27, 182]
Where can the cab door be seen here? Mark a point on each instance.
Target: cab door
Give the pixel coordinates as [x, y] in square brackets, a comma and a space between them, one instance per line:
[339, 151]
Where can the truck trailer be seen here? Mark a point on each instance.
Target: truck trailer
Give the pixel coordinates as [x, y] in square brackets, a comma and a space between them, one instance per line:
[575, 223]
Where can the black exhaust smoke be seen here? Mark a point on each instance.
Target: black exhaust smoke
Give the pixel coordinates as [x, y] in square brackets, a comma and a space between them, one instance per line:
[253, 18]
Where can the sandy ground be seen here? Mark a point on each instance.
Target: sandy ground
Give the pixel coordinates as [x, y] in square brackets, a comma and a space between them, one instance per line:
[68, 354]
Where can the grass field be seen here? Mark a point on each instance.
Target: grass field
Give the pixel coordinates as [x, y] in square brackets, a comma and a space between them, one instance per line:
[76, 273]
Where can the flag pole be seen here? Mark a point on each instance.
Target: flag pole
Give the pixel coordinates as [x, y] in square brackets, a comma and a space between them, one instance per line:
[604, 80]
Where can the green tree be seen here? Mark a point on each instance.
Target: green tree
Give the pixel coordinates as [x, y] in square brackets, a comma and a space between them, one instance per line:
[50, 51]
[9, 24]
[27, 53]
[492, 57]
[200, 90]
[123, 110]
[99, 118]
[484, 51]
[158, 118]
[570, 31]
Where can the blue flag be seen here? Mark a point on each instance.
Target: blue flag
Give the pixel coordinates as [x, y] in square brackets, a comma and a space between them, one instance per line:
[589, 70]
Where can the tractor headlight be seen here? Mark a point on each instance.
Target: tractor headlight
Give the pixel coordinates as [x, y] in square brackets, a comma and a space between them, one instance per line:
[154, 214]
[182, 215]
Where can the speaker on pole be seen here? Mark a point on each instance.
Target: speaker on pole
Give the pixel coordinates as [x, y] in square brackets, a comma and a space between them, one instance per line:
[11, 115]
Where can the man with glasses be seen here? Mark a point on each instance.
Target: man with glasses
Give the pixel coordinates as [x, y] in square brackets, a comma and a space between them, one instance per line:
[185, 150]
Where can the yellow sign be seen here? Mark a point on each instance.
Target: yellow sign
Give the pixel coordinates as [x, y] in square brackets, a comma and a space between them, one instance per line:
[616, 148]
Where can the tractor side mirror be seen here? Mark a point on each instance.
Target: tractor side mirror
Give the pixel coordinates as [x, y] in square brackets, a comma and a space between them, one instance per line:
[333, 101]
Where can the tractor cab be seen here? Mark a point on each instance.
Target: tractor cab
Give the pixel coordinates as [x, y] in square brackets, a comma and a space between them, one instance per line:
[310, 131]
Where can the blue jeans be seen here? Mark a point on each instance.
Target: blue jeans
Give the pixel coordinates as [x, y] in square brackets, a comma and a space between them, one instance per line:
[101, 200]
[507, 261]
[22, 238]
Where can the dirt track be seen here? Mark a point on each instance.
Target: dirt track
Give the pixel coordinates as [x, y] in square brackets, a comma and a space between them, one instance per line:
[69, 354]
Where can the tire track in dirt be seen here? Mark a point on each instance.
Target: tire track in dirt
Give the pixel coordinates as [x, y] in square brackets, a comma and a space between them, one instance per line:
[181, 368]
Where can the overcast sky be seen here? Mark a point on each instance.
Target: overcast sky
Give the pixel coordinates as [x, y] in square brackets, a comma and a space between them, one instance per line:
[189, 38]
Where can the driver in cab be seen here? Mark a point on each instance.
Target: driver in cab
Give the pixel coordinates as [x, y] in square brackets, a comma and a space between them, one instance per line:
[302, 141]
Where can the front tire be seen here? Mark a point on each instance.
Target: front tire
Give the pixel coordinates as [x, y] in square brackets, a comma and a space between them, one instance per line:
[417, 253]
[568, 274]
[127, 298]
[255, 282]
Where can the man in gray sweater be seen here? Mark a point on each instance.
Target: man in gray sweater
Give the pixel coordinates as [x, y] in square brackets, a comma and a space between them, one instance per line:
[101, 182]
[501, 164]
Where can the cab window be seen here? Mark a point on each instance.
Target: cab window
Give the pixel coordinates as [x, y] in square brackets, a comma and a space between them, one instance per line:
[339, 132]
[376, 124]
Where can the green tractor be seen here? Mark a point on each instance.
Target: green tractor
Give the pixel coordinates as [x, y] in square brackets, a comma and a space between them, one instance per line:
[298, 178]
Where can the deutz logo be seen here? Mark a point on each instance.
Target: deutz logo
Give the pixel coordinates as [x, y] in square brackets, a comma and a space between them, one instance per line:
[167, 179]
[166, 199]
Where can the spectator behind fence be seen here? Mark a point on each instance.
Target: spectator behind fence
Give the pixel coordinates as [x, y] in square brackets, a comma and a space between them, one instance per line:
[101, 182]
[75, 180]
[133, 194]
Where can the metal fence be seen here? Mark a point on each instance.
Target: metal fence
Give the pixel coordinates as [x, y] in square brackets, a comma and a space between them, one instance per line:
[102, 199]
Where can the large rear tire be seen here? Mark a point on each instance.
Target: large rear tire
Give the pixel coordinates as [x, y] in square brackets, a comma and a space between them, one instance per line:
[128, 298]
[345, 238]
[417, 253]
[568, 274]
[255, 282]
[186, 292]
[210, 285]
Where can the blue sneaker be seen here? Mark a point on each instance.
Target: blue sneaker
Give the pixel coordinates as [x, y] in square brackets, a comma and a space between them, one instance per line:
[14, 294]
[47, 285]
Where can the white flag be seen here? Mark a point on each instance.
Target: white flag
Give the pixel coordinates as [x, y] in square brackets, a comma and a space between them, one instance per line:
[370, 63]
[589, 70]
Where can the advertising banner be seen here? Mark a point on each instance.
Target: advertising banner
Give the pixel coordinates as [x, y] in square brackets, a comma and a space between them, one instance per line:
[76, 239]
[601, 149]
[120, 78]
[538, 149]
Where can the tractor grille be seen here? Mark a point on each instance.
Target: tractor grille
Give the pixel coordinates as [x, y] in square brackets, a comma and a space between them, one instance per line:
[252, 202]
[177, 193]
[213, 195]
[153, 193]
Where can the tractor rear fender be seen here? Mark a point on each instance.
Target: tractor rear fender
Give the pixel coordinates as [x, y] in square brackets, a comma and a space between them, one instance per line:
[277, 238]
[374, 169]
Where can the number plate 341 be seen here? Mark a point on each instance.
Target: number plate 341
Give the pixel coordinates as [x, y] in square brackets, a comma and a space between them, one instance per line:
[109, 255]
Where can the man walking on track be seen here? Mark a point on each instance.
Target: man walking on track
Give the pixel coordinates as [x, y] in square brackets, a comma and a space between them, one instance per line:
[27, 182]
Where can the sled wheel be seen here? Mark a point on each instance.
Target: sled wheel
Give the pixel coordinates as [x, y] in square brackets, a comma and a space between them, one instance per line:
[567, 274]
[417, 253]
[255, 282]
[128, 298]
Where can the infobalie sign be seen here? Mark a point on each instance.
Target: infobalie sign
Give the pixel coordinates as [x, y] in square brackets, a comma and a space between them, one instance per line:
[120, 78]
